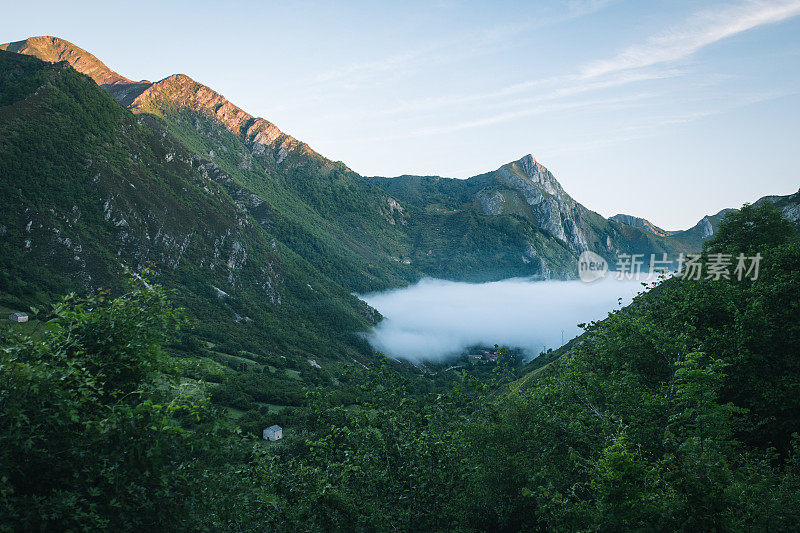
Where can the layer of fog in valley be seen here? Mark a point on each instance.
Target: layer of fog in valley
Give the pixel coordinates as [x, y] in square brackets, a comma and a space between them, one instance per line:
[436, 319]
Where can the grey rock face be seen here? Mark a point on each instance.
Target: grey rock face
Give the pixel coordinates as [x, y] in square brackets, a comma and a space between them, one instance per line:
[491, 202]
[640, 223]
[790, 205]
[551, 207]
[705, 227]
[792, 212]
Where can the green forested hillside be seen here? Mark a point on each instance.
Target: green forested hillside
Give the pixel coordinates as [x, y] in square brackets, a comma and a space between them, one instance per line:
[517, 219]
[679, 412]
[329, 216]
[88, 190]
[376, 233]
[214, 260]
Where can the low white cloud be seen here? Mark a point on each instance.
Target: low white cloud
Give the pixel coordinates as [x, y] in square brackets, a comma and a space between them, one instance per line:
[436, 319]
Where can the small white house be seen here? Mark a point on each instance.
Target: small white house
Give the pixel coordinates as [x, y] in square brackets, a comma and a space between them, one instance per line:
[18, 317]
[273, 433]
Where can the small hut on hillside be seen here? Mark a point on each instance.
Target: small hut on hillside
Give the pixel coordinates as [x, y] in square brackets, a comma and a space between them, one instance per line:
[18, 317]
[273, 433]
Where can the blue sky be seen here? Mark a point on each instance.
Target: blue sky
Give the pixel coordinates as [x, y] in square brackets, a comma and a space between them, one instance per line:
[668, 110]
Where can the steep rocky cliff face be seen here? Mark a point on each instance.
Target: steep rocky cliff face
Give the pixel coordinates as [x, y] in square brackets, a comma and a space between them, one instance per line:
[790, 204]
[551, 208]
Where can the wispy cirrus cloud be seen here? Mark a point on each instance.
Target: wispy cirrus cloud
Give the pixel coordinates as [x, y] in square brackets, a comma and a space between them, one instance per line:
[385, 64]
[528, 111]
[648, 61]
[580, 8]
[442, 51]
[649, 125]
[462, 46]
[699, 31]
[524, 94]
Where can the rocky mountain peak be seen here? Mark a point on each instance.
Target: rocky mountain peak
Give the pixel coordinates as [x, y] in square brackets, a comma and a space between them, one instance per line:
[534, 170]
[527, 159]
[550, 206]
[529, 175]
[54, 49]
[528, 164]
[178, 91]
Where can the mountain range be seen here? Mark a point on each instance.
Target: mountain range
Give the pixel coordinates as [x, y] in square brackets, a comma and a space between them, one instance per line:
[249, 226]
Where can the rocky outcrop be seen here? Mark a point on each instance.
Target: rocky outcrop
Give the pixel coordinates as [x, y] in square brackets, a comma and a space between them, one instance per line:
[641, 223]
[551, 207]
[790, 205]
[395, 213]
[705, 228]
[491, 202]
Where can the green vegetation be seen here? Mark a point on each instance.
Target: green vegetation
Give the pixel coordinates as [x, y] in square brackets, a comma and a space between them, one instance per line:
[88, 190]
[87, 439]
[324, 212]
[679, 412]
[447, 219]
[117, 410]
[353, 230]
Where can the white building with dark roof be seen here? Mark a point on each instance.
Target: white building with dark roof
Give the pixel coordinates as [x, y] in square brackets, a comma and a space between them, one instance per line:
[273, 433]
[18, 317]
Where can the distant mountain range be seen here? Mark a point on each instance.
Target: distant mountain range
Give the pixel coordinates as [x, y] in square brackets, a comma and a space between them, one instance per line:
[249, 225]
[546, 223]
